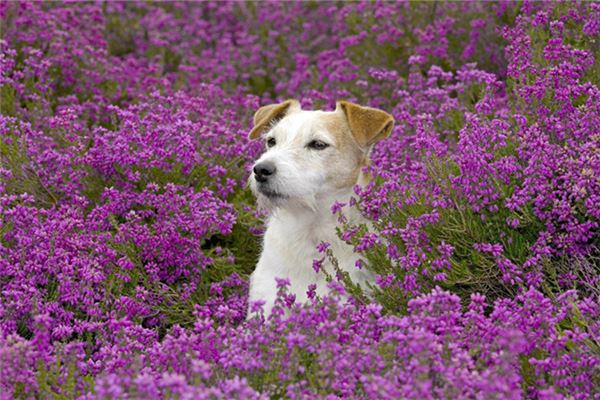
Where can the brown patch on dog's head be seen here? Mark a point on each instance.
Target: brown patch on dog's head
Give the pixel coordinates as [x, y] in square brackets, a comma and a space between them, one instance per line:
[266, 115]
[355, 129]
[368, 125]
[337, 125]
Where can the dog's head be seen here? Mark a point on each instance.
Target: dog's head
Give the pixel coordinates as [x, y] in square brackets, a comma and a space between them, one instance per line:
[312, 154]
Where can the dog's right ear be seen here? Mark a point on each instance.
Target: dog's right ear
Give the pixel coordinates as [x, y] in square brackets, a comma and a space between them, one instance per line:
[368, 125]
[266, 114]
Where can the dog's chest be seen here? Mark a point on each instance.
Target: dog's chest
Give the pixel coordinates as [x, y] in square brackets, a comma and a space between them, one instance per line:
[289, 250]
[293, 242]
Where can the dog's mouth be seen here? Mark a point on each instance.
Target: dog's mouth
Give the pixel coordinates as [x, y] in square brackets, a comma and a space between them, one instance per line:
[269, 193]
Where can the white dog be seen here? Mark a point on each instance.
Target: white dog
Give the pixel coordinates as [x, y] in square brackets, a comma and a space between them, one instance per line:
[313, 159]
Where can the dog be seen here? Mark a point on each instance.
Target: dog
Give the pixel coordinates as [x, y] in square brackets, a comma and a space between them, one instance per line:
[313, 159]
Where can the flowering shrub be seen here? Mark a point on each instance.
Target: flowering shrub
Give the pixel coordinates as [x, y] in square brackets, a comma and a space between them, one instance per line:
[127, 232]
[498, 189]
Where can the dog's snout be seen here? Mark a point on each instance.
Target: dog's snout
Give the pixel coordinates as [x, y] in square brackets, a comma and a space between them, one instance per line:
[263, 170]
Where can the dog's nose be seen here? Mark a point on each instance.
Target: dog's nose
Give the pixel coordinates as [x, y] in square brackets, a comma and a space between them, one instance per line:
[263, 170]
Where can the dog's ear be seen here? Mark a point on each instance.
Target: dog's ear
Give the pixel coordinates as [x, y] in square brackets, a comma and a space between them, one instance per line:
[266, 114]
[368, 125]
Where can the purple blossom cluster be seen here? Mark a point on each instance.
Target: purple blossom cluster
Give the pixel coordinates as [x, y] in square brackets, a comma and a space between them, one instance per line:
[127, 231]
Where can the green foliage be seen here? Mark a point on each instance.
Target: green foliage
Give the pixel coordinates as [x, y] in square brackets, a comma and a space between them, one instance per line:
[51, 382]
[120, 35]
[7, 100]
[13, 157]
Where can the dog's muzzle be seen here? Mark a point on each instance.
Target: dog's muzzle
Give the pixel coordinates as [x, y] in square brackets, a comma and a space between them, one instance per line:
[263, 171]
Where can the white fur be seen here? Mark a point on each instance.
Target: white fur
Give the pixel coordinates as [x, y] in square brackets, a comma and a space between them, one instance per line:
[308, 182]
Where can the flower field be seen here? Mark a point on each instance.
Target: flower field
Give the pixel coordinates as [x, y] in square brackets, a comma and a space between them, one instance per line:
[128, 232]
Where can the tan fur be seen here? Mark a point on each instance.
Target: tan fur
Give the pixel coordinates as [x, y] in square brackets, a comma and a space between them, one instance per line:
[337, 125]
[368, 125]
[266, 114]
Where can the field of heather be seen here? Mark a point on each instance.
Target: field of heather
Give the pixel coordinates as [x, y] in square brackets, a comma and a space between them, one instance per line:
[128, 232]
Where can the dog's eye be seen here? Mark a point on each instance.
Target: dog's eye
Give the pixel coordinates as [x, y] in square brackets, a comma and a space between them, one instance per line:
[317, 145]
[271, 142]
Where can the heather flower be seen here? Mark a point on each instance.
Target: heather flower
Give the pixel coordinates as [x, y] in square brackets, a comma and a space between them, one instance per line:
[318, 264]
[127, 233]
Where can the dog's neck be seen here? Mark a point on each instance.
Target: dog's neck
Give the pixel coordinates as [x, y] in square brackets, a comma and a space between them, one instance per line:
[319, 207]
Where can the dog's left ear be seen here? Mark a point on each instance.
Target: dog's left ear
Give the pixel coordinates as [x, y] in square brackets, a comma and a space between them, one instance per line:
[368, 125]
[266, 114]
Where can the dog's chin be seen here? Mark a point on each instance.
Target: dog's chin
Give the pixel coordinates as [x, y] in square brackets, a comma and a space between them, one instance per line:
[271, 194]
[268, 198]
[275, 201]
